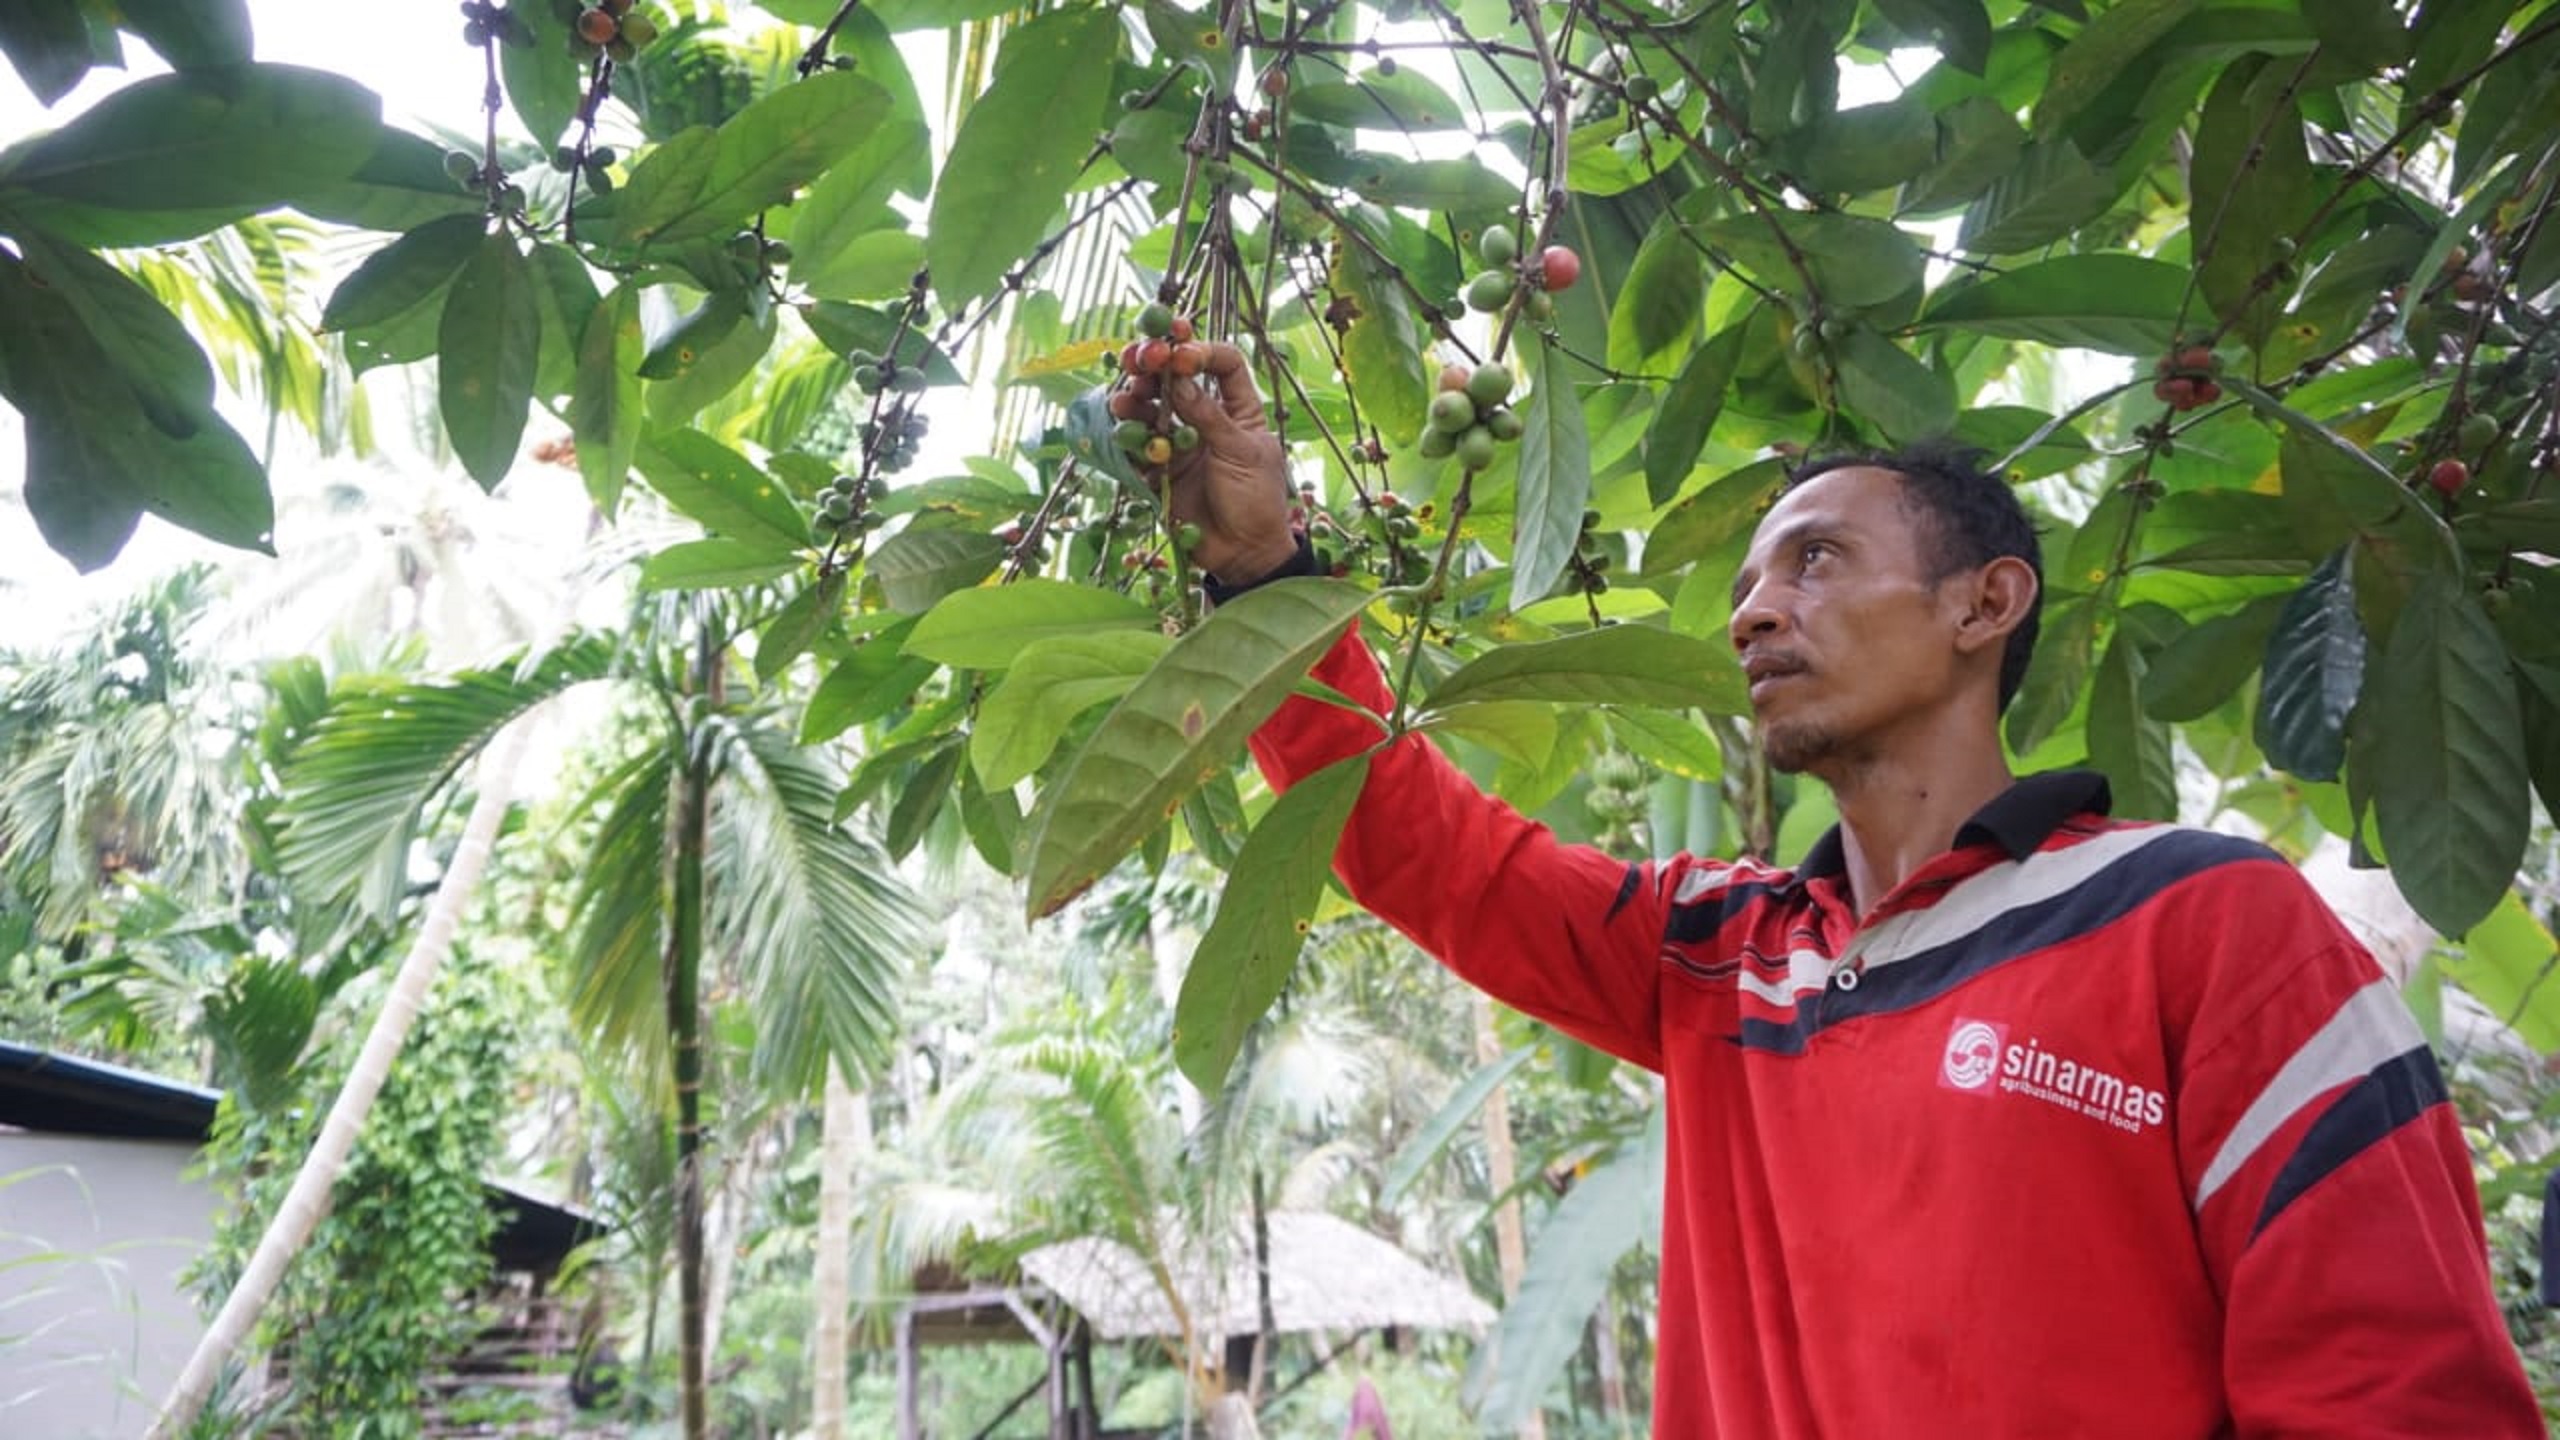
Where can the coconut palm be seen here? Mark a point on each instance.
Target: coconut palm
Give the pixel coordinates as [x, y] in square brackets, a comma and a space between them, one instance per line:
[715, 859]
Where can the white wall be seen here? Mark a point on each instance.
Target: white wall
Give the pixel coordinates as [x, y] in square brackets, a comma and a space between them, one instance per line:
[94, 1236]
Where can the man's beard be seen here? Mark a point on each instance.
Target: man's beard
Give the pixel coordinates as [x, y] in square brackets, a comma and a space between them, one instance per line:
[1794, 749]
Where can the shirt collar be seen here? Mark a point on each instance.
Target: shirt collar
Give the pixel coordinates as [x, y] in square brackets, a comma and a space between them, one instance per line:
[2018, 819]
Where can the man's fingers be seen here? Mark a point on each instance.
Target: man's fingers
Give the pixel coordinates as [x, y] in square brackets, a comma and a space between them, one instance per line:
[1234, 375]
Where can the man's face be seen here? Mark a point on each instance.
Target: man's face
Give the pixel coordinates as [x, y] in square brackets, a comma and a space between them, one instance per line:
[1846, 642]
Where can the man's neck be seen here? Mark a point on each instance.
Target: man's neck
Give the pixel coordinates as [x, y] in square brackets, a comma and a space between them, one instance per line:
[1896, 818]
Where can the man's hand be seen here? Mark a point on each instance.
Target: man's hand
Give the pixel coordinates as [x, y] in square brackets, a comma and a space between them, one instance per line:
[1234, 485]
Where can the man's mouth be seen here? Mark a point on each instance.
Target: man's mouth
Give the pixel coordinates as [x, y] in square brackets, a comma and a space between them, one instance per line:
[1764, 671]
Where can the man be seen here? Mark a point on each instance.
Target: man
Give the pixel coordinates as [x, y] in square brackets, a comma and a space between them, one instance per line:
[1994, 1117]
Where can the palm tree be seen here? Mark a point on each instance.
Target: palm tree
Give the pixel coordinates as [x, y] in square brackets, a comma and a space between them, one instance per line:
[717, 856]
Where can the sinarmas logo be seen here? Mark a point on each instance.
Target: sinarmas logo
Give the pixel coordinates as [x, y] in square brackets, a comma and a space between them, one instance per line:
[1979, 1060]
[1973, 1056]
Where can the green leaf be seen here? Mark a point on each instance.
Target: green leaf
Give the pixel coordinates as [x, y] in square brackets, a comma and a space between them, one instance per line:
[1405, 101]
[544, 79]
[722, 490]
[1672, 744]
[2119, 304]
[399, 187]
[1186, 717]
[704, 184]
[1890, 388]
[917, 568]
[840, 228]
[1264, 911]
[2210, 661]
[1863, 148]
[1554, 484]
[2052, 191]
[605, 397]
[2453, 800]
[2314, 669]
[2250, 186]
[1382, 351]
[2064, 652]
[147, 350]
[713, 565]
[1688, 412]
[237, 140]
[96, 459]
[988, 628]
[52, 45]
[1434, 1134]
[487, 346]
[2105, 50]
[1609, 1212]
[1023, 718]
[693, 334]
[871, 681]
[404, 275]
[1018, 148]
[1614, 665]
[1979, 141]
[1855, 260]
[841, 328]
[1705, 522]
[565, 298]
[2128, 746]
[1658, 308]
[716, 369]
[797, 626]
[923, 795]
[191, 34]
[2504, 961]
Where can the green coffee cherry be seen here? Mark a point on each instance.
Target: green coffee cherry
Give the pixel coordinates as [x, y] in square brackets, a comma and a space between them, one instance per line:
[1496, 246]
[1490, 291]
[1475, 448]
[1452, 411]
[1490, 384]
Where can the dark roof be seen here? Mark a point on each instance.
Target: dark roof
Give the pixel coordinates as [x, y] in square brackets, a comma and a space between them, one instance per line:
[66, 1095]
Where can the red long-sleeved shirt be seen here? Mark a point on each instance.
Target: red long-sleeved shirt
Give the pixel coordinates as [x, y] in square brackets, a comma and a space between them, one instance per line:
[2090, 1129]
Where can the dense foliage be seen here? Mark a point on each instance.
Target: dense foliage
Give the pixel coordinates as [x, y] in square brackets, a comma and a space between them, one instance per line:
[2254, 298]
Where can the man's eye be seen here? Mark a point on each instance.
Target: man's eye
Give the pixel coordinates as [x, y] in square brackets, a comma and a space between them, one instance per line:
[1813, 550]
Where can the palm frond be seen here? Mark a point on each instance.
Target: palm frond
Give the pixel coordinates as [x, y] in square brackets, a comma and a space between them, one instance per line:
[356, 791]
[615, 990]
[823, 927]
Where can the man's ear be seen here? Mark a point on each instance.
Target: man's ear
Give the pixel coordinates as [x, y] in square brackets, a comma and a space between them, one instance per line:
[1996, 602]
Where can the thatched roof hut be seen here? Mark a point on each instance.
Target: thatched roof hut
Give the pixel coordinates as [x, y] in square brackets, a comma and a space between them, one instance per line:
[1326, 1274]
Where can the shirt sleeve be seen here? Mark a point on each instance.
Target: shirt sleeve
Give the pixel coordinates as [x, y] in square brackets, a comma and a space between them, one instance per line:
[1560, 932]
[2332, 1191]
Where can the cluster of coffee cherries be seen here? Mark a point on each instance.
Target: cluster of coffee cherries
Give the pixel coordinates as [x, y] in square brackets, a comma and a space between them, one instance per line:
[2186, 378]
[848, 503]
[1167, 346]
[595, 167]
[1468, 415]
[875, 373]
[483, 22]
[1554, 268]
[892, 439]
[609, 27]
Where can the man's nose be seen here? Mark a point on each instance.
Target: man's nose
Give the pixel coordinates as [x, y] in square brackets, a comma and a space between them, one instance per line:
[1753, 617]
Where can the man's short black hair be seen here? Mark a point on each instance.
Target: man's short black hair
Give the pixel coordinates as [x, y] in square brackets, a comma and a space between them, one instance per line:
[1973, 519]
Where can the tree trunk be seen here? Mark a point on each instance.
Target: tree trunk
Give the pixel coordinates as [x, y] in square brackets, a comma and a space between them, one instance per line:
[1501, 1165]
[689, 824]
[844, 1134]
[308, 1201]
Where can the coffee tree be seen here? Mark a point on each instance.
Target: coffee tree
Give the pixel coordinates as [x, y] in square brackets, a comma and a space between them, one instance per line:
[2257, 298]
